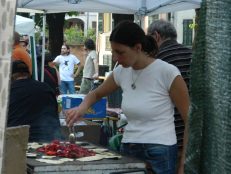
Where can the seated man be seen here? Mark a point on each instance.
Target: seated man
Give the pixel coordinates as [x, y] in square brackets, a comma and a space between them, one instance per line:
[32, 103]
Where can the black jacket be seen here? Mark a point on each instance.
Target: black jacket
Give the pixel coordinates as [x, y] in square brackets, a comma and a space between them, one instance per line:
[34, 103]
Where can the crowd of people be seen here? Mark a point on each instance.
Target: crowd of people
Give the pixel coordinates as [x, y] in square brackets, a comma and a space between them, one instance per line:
[153, 74]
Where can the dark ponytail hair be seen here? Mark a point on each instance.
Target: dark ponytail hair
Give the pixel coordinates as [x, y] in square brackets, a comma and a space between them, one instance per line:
[129, 33]
[89, 44]
[150, 46]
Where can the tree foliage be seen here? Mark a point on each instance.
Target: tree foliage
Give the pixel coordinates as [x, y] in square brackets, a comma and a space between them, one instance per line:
[75, 36]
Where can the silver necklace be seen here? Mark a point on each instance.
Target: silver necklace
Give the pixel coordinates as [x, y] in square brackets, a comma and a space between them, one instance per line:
[133, 85]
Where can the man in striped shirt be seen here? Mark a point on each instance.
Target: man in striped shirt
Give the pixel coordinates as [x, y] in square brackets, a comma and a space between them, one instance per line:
[174, 53]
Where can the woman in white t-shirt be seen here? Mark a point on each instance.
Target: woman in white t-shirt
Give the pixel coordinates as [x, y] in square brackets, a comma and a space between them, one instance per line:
[151, 88]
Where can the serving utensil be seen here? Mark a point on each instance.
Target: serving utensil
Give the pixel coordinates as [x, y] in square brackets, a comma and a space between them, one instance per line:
[72, 137]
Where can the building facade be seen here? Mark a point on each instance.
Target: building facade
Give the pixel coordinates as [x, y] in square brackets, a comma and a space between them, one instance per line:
[103, 24]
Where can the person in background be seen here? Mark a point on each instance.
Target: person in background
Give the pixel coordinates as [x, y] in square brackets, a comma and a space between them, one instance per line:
[32, 103]
[24, 44]
[38, 47]
[51, 74]
[26, 39]
[67, 62]
[151, 88]
[90, 71]
[174, 53]
[20, 53]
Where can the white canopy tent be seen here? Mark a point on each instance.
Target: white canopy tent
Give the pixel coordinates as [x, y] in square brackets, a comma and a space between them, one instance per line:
[24, 26]
[144, 7]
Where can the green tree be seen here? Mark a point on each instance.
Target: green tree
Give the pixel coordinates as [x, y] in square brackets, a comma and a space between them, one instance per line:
[55, 25]
[75, 36]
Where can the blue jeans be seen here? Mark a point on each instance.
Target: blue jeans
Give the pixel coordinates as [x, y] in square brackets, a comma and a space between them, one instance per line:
[67, 86]
[161, 158]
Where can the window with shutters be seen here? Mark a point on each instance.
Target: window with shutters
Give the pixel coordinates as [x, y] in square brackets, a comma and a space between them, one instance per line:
[94, 25]
[152, 18]
[100, 23]
[187, 32]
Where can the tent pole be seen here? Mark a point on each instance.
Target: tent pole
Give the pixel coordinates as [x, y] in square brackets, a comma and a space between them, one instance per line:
[34, 58]
[33, 52]
[143, 10]
[141, 20]
[43, 47]
[140, 15]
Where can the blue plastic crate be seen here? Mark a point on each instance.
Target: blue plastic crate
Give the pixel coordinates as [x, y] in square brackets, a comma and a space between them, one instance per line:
[98, 110]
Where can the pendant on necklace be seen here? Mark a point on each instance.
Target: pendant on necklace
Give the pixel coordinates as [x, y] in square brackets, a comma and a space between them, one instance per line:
[133, 85]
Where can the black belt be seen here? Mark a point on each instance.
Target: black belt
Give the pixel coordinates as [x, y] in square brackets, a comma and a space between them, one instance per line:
[88, 78]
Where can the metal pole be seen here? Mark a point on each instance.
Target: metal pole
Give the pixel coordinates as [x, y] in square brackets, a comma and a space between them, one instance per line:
[43, 47]
[87, 22]
[33, 51]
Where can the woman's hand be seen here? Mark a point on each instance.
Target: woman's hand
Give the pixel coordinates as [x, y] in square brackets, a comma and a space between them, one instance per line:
[73, 115]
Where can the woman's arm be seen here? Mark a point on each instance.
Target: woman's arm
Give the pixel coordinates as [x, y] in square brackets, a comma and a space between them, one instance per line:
[180, 97]
[75, 114]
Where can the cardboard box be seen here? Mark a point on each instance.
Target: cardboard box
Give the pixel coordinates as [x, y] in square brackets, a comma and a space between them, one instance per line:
[86, 131]
[98, 110]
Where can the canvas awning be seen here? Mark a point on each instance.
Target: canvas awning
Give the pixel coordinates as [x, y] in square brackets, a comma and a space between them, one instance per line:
[144, 7]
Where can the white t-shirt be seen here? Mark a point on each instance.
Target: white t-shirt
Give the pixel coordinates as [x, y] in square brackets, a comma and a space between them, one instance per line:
[89, 68]
[66, 66]
[148, 108]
